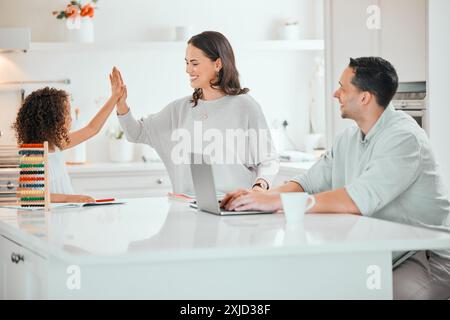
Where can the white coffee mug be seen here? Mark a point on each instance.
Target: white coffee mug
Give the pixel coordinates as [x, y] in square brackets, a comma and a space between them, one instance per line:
[295, 204]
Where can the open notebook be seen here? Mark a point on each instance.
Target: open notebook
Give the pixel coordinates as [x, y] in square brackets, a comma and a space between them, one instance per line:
[98, 202]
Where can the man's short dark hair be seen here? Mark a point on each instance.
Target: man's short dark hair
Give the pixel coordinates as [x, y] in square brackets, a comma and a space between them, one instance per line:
[377, 76]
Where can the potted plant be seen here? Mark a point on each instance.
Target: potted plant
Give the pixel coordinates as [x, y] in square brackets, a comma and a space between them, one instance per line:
[79, 16]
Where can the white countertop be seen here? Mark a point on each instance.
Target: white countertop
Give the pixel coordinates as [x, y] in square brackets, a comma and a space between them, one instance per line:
[105, 167]
[162, 229]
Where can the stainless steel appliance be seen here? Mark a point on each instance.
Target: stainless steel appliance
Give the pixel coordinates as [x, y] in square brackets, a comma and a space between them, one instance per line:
[410, 98]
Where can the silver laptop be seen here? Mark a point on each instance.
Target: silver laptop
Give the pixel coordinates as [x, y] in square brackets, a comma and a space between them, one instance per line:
[205, 188]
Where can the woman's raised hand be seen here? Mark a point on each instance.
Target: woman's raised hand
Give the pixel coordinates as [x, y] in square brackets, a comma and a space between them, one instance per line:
[123, 98]
[122, 107]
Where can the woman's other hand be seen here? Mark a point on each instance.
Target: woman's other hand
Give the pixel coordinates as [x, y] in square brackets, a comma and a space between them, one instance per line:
[122, 107]
[123, 98]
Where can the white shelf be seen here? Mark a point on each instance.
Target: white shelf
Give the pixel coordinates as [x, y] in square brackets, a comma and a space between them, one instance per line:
[269, 45]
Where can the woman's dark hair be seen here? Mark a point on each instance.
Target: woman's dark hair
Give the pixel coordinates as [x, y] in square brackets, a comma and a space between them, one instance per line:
[42, 117]
[377, 76]
[214, 45]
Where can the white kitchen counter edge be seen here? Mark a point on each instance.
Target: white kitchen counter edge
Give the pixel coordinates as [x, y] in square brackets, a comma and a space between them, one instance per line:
[50, 251]
[110, 167]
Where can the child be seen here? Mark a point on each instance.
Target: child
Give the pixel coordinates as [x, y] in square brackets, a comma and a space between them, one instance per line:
[45, 116]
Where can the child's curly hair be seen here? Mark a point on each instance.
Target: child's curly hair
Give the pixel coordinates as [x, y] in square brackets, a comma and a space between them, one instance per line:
[42, 117]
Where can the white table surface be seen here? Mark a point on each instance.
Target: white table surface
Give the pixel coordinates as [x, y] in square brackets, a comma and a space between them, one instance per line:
[161, 229]
[156, 248]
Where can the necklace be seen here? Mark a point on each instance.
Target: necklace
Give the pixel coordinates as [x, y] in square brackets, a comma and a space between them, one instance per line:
[202, 114]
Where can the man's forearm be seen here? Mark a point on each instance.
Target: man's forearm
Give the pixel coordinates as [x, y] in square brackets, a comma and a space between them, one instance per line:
[335, 201]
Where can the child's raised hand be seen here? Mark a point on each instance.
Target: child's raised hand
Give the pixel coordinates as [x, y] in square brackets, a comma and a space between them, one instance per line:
[116, 84]
[95, 125]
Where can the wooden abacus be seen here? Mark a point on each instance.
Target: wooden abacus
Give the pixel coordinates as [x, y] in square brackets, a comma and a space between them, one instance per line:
[24, 176]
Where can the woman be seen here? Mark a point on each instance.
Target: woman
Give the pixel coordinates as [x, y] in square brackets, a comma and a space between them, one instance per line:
[218, 115]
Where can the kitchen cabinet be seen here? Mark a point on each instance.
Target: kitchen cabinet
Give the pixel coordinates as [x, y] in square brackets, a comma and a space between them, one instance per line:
[23, 273]
[438, 82]
[401, 39]
[127, 180]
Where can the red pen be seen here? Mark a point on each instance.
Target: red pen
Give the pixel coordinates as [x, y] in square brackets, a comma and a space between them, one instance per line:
[105, 200]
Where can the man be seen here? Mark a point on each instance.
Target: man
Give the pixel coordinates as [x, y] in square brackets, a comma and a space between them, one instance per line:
[383, 168]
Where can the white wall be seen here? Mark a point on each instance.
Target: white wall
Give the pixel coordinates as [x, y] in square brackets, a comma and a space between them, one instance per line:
[278, 80]
[439, 82]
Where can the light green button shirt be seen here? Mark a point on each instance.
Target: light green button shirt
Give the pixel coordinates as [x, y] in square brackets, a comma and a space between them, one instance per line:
[390, 174]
